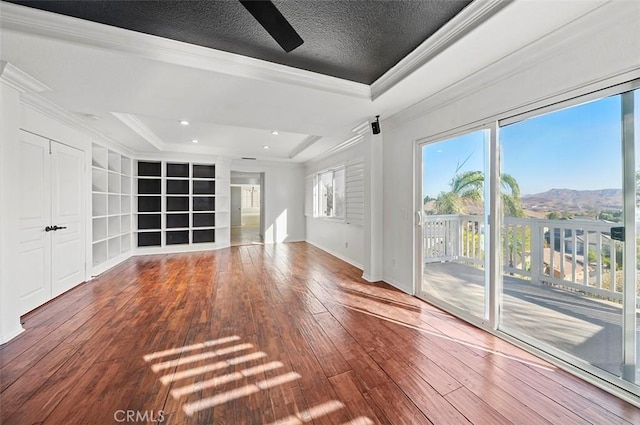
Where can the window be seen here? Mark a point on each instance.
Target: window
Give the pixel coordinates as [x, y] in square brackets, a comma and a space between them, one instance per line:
[330, 193]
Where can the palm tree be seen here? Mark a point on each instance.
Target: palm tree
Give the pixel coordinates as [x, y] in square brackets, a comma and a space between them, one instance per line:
[468, 188]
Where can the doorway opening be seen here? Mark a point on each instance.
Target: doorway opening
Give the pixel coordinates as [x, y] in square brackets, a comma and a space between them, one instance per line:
[247, 208]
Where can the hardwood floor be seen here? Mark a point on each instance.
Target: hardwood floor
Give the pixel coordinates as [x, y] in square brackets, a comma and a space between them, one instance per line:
[274, 334]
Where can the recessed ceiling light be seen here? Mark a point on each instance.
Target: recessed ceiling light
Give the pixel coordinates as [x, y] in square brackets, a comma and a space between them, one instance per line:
[183, 122]
[275, 132]
[265, 147]
[194, 141]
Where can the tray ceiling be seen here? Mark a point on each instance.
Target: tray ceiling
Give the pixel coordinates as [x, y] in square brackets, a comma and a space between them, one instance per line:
[353, 40]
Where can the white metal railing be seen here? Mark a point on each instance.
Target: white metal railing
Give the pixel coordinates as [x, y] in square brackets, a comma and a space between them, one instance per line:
[575, 254]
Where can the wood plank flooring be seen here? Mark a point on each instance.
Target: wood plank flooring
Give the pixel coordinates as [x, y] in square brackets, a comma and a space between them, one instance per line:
[273, 334]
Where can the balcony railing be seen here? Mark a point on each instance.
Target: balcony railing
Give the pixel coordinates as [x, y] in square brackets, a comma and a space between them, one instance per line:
[577, 255]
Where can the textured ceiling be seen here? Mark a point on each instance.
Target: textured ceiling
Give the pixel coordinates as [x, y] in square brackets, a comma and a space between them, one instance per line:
[353, 40]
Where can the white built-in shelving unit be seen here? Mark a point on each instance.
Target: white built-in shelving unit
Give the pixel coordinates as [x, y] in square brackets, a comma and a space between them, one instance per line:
[111, 187]
[180, 206]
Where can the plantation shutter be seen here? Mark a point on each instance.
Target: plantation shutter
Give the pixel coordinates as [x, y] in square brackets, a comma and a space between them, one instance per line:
[354, 193]
[308, 196]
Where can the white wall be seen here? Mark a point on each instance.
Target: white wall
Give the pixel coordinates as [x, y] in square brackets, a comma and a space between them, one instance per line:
[345, 241]
[599, 49]
[283, 198]
[9, 119]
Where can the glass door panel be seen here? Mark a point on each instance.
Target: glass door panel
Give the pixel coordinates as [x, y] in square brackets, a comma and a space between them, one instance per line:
[454, 222]
[563, 225]
[635, 114]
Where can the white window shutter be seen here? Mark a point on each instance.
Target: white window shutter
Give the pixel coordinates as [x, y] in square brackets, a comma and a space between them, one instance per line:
[309, 197]
[354, 188]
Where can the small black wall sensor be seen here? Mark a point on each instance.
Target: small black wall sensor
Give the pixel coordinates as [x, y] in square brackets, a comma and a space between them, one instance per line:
[375, 126]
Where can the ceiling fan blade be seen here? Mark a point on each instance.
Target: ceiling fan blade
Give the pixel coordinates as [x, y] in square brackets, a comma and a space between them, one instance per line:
[266, 13]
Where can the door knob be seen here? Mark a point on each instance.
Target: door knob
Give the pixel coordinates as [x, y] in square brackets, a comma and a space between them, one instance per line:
[48, 229]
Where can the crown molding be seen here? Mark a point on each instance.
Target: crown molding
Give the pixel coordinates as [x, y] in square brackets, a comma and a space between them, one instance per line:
[352, 141]
[472, 16]
[307, 142]
[50, 109]
[552, 44]
[141, 129]
[37, 22]
[18, 79]
[362, 128]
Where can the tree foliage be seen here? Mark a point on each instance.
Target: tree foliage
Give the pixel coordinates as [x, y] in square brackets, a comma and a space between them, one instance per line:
[467, 188]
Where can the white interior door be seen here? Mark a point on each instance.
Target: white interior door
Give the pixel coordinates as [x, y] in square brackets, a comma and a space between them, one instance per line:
[236, 206]
[50, 262]
[67, 211]
[34, 247]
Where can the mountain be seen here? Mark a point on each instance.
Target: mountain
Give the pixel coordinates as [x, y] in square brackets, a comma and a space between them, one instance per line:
[569, 200]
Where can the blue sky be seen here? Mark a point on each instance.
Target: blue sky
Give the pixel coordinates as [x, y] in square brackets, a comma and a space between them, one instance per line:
[576, 148]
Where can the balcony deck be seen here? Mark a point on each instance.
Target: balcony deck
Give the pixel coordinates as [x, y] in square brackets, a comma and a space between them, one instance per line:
[583, 326]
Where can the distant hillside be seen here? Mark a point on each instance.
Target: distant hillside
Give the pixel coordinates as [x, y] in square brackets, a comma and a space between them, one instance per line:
[569, 200]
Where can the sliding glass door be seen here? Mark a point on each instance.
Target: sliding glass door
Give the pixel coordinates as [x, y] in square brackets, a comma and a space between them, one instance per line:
[562, 244]
[553, 259]
[454, 221]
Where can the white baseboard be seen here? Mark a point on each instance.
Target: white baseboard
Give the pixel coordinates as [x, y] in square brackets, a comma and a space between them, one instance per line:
[369, 278]
[391, 281]
[10, 335]
[335, 254]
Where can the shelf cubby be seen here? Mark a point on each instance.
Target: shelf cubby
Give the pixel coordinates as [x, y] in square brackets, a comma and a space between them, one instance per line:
[149, 169]
[114, 247]
[177, 170]
[125, 224]
[99, 204]
[180, 221]
[178, 187]
[204, 187]
[100, 253]
[114, 161]
[177, 203]
[125, 204]
[149, 204]
[201, 171]
[114, 182]
[204, 203]
[202, 236]
[114, 226]
[203, 219]
[114, 205]
[149, 239]
[149, 186]
[177, 237]
[99, 229]
[125, 185]
[99, 157]
[149, 221]
[99, 180]
[125, 243]
[125, 166]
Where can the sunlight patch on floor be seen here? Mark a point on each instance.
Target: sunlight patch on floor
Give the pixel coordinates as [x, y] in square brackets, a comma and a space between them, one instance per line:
[200, 394]
[197, 357]
[218, 399]
[310, 414]
[196, 371]
[224, 379]
[192, 347]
